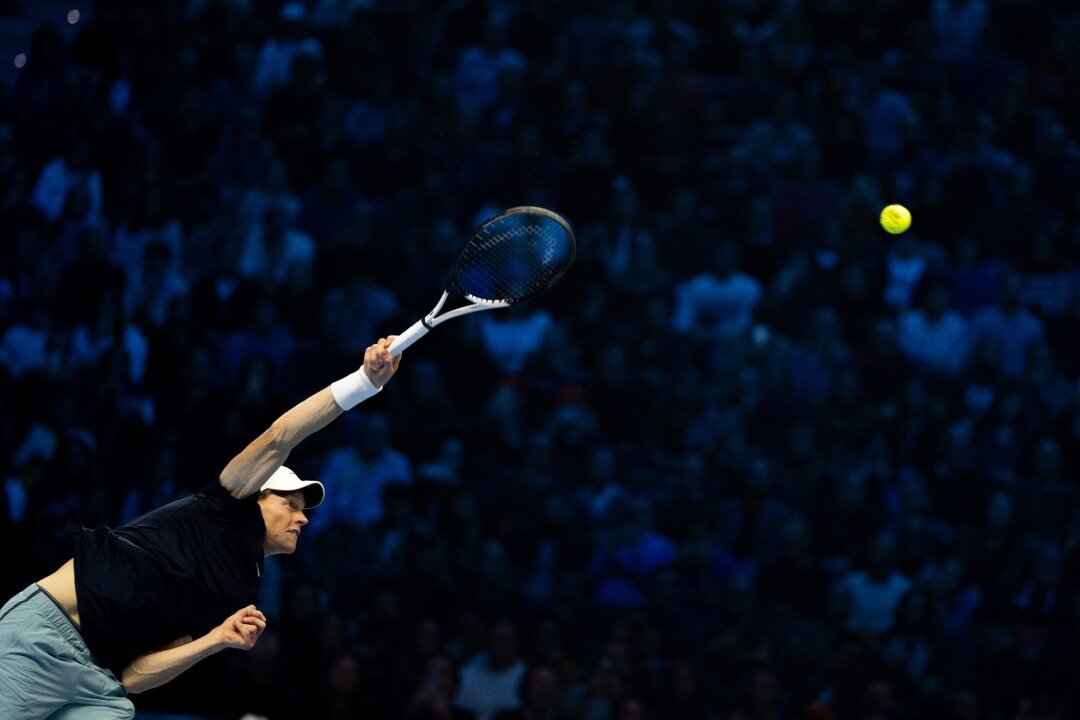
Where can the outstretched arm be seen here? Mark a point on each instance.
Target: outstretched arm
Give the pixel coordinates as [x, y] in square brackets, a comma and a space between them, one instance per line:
[240, 630]
[246, 472]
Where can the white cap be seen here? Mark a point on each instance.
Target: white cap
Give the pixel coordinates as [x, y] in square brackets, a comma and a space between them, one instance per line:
[285, 480]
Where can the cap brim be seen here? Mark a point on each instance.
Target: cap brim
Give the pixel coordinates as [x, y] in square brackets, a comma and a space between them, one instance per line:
[285, 480]
[314, 492]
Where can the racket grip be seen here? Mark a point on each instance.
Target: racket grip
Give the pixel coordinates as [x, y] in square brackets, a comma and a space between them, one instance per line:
[407, 338]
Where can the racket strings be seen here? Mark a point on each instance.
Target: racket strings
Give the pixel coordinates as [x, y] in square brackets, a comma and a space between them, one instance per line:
[506, 274]
[514, 257]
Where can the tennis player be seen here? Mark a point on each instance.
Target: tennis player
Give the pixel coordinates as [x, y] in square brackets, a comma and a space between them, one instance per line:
[139, 604]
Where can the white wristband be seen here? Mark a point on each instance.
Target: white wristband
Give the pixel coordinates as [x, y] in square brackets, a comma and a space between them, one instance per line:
[353, 389]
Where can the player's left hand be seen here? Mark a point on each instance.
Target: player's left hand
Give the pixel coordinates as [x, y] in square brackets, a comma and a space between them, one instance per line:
[379, 365]
[243, 628]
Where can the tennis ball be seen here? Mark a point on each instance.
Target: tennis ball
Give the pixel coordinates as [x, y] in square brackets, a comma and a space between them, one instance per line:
[895, 219]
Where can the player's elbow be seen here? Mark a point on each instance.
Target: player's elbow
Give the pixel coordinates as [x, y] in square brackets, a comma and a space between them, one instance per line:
[133, 682]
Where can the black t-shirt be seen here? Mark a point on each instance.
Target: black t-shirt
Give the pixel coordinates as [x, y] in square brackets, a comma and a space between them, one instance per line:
[175, 571]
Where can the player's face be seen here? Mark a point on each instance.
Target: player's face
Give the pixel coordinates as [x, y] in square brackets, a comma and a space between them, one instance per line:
[284, 517]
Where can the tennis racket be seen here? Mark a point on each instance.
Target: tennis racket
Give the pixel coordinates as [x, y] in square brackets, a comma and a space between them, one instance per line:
[514, 256]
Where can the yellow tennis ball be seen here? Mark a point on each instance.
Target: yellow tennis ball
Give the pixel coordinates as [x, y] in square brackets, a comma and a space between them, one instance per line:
[895, 219]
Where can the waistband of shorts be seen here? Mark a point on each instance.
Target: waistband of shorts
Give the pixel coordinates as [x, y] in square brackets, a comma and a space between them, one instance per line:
[50, 611]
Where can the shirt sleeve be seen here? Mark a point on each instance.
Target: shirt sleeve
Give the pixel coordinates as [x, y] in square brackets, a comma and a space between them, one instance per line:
[237, 513]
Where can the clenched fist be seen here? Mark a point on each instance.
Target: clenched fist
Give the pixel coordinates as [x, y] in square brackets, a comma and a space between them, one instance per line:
[243, 628]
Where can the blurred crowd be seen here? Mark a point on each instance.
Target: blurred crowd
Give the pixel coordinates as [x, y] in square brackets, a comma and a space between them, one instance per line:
[753, 459]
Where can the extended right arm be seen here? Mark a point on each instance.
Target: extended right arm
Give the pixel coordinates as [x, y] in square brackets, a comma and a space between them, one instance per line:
[246, 472]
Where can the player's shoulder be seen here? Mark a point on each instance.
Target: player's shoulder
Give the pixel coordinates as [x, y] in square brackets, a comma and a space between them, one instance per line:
[216, 493]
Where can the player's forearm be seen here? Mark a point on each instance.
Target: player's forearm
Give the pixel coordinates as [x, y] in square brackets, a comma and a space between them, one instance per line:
[303, 419]
[157, 668]
[246, 472]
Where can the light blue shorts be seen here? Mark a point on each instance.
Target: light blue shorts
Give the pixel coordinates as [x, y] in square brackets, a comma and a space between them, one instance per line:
[46, 670]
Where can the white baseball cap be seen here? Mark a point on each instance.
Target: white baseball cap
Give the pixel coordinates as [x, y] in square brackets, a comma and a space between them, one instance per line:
[285, 480]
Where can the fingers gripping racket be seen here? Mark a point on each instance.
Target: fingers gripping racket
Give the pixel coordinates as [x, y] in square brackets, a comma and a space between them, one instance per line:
[509, 258]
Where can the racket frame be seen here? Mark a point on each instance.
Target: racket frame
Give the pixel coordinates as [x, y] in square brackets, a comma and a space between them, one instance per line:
[421, 327]
[476, 304]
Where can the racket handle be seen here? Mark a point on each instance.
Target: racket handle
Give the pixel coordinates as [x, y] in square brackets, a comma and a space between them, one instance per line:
[407, 338]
